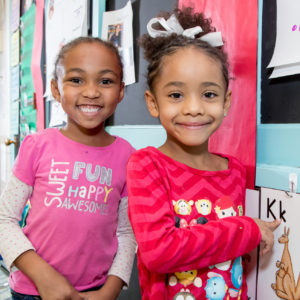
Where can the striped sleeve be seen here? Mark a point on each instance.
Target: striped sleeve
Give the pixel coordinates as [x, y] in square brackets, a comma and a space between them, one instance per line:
[165, 248]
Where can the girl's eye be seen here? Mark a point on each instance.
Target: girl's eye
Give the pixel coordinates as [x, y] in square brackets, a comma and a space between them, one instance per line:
[106, 81]
[210, 95]
[175, 95]
[75, 80]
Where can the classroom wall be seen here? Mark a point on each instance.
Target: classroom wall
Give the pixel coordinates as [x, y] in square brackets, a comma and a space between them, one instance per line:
[278, 116]
[5, 151]
[132, 110]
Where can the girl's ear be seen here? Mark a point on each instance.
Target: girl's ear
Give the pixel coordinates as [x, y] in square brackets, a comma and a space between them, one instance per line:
[122, 88]
[227, 102]
[55, 90]
[151, 104]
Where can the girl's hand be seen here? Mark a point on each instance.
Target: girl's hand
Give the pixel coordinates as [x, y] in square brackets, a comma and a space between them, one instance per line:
[109, 291]
[267, 236]
[50, 283]
[57, 288]
[98, 295]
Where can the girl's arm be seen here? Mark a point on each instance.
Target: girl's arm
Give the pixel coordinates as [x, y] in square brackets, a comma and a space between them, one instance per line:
[17, 250]
[13, 242]
[120, 271]
[50, 284]
[123, 261]
[164, 248]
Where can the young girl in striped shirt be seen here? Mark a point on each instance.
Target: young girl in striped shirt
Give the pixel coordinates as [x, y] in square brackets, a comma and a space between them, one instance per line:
[186, 204]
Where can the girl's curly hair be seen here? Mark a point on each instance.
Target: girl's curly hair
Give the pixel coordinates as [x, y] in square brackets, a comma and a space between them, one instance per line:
[155, 49]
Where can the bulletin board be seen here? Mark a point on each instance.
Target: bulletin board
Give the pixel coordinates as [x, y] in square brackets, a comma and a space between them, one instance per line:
[278, 118]
[279, 96]
[28, 108]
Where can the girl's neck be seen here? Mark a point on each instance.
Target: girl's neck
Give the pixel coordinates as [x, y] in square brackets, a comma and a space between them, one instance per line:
[97, 137]
[197, 157]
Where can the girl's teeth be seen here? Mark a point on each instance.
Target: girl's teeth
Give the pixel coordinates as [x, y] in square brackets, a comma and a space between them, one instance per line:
[89, 109]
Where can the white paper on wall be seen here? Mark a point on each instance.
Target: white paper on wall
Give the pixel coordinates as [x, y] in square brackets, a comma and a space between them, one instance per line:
[117, 28]
[286, 70]
[58, 116]
[15, 82]
[65, 20]
[278, 272]
[286, 55]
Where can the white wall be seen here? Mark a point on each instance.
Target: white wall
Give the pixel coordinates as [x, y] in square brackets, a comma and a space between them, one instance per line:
[4, 90]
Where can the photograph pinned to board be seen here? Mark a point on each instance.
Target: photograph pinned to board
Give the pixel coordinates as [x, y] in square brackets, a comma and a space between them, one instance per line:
[117, 28]
[286, 55]
[63, 23]
[279, 271]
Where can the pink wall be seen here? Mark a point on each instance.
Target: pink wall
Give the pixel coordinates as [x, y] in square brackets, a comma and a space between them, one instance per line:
[237, 20]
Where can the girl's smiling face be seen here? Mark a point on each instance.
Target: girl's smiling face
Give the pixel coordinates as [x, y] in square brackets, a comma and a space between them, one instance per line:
[89, 86]
[189, 97]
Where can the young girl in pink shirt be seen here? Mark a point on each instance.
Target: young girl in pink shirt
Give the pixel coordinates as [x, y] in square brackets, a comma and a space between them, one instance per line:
[186, 204]
[77, 242]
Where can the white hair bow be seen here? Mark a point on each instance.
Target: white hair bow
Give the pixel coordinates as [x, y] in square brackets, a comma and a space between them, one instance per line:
[172, 26]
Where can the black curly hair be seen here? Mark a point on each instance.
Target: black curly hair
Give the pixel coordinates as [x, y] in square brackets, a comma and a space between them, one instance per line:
[155, 49]
[83, 40]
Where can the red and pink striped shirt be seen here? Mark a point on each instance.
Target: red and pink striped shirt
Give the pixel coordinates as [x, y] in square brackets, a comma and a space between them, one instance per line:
[189, 228]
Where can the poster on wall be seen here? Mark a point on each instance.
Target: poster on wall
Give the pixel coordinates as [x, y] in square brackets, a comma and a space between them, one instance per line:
[117, 28]
[64, 22]
[14, 82]
[15, 48]
[15, 14]
[279, 271]
[286, 55]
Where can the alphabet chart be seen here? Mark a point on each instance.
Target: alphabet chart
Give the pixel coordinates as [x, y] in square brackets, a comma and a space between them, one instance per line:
[278, 272]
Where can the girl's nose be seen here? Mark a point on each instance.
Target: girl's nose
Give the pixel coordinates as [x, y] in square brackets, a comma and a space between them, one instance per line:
[91, 90]
[193, 106]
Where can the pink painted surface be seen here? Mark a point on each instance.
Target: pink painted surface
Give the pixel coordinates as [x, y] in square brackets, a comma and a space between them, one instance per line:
[237, 20]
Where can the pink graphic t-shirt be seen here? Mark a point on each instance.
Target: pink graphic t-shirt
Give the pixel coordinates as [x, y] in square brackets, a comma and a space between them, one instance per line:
[74, 205]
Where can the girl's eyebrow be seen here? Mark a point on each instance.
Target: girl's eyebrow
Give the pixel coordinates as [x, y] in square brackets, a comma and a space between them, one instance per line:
[107, 71]
[180, 84]
[210, 83]
[174, 83]
[78, 70]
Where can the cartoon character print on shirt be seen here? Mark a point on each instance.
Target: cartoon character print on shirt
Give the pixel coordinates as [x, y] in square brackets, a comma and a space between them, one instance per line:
[223, 266]
[216, 287]
[225, 207]
[183, 207]
[184, 295]
[182, 223]
[186, 278]
[203, 207]
[240, 210]
[236, 278]
[87, 198]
